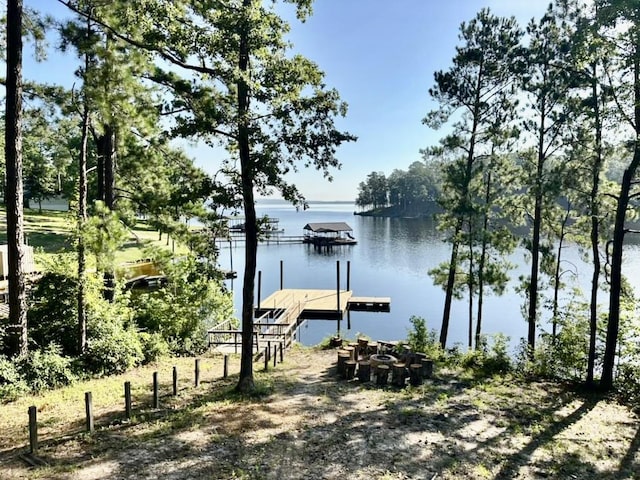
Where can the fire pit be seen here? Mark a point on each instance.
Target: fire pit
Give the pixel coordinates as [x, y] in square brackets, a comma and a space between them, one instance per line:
[381, 359]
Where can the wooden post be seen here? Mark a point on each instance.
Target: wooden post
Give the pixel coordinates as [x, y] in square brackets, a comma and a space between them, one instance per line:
[266, 360]
[338, 293]
[175, 380]
[382, 374]
[127, 400]
[259, 286]
[225, 371]
[156, 395]
[269, 351]
[33, 430]
[275, 355]
[281, 274]
[88, 404]
[364, 371]
[398, 374]
[349, 369]
[197, 372]
[415, 374]
[281, 352]
[348, 275]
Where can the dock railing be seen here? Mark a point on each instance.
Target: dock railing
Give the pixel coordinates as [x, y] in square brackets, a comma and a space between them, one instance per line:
[277, 325]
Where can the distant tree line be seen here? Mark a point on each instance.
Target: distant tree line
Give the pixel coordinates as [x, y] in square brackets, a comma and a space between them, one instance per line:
[413, 192]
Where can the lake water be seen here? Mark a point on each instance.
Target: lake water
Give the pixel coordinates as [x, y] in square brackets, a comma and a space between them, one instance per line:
[392, 259]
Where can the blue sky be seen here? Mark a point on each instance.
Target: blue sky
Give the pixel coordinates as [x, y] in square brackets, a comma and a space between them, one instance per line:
[380, 55]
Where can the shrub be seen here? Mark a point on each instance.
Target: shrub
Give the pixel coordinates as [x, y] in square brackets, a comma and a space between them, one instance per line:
[113, 348]
[47, 368]
[12, 384]
[153, 346]
[420, 339]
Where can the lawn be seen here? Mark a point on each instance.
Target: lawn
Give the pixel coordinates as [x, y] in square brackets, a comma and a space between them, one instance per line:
[51, 232]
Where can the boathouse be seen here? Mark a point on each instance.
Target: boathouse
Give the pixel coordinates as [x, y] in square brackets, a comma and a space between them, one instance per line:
[328, 234]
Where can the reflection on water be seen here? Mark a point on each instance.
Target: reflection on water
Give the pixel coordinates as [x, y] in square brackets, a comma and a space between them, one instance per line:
[392, 259]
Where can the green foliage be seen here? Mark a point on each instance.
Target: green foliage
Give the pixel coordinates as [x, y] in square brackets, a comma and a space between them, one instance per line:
[47, 368]
[103, 235]
[182, 311]
[154, 346]
[422, 340]
[12, 383]
[112, 347]
[52, 313]
[491, 359]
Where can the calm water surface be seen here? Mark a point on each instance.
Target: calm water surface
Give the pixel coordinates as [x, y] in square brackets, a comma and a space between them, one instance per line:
[391, 259]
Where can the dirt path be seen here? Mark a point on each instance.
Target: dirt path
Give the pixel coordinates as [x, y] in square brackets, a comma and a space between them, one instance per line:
[314, 426]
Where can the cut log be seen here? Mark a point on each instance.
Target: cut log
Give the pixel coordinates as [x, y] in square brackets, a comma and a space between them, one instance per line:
[349, 369]
[351, 352]
[356, 350]
[427, 368]
[364, 371]
[382, 374]
[398, 374]
[342, 358]
[415, 374]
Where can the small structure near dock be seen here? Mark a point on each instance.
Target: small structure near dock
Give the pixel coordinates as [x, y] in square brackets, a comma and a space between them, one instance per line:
[328, 234]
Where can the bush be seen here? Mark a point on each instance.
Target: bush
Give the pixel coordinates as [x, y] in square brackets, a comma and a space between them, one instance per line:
[12, 384]
[422, 340]
[112, 348]
[153, 346]
[47, 368]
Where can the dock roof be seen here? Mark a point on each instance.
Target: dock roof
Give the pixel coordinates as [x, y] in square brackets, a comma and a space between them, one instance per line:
[328, 227]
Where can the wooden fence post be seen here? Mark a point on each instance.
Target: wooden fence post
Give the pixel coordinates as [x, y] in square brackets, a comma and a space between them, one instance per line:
[156, 395]
[175, 380]
[33, 430]
[197, 372]
[88, 403]
[127, 400]
[225, 371]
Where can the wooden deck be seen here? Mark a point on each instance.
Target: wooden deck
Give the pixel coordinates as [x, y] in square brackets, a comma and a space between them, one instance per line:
[321, 304]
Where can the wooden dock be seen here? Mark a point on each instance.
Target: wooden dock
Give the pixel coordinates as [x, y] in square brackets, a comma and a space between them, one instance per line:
[321, 304]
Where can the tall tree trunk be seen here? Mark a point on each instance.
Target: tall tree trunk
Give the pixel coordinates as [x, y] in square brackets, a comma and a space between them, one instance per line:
[532, 315]
[106, 174]
[613, 325]
[595, 228]
[82, 213]
[17, 331]
[448, 298]
[483, 258]
[557, 274]
[470, 286]
[245, 382]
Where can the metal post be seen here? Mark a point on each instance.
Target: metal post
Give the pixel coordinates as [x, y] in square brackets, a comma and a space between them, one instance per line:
[88, 403]
[225, 372]
[281, 275]
[259, 285]
[281, 352]
[266, 360]
[348, 275]
[197, 382]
